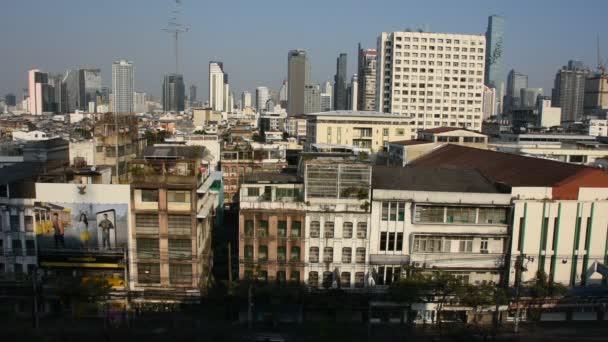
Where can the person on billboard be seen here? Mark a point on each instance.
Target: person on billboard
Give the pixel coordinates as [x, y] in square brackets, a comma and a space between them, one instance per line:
[105, 226]
[58, 230]
[83, 228]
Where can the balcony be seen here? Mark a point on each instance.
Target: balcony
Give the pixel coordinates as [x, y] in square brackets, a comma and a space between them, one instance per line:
[181, 172]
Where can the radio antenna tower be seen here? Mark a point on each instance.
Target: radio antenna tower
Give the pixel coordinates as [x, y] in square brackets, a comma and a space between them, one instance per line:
[175, 28]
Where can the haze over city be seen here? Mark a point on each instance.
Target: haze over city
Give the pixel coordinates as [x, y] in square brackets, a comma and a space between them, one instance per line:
[253, 38]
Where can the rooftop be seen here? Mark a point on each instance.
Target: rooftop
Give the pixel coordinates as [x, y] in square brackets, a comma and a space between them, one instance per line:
[411, 142]
[272, 177]
[511, 169]
[362, 114]
[431, 179]
[174, 152]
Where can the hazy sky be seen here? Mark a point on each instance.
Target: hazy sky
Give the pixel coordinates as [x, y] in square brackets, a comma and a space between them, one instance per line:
[252, 38]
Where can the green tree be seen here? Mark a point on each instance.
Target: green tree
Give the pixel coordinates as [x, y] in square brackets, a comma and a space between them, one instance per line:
[409, 290]
[539, 290]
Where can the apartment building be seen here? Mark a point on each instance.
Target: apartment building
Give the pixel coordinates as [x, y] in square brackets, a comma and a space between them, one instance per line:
[240, 159]
[337, 226]
[559, 221]
[271, 227]
[173, 201]
[369, 130]
[430, 218]
[436, 79]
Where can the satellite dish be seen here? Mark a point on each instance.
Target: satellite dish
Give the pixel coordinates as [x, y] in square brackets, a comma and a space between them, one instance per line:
[93, 168]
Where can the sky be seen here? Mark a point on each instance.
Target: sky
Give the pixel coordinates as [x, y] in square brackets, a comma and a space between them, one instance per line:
[253, 38]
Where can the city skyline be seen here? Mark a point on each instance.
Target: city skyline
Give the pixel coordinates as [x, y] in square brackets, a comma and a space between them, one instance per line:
[538, 53]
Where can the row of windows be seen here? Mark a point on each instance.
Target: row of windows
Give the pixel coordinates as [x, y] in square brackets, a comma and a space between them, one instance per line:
[180, 274]
[391, 241]
[424, 61]
[17, 247]
[328, 255]
[177, 224]
[14, 222]
[459, 214]
[173, 196]
[178, 248]
[439, 40]
[262, 230]
[347, 230]
[328, 279]
[281, 253]
[262, 275]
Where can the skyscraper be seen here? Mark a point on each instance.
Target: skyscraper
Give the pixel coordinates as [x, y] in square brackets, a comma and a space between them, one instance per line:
[283, 94]
[60, 93]
[123, 86]
[366, 70]
[246, 99]
[89, 87]
[325, 102]
[40, 92]
[489, 102]
[494, 74]
[400, 61]
[528, 97]
[354, 88]
[173, 93]
[139, 100]
[569, 90]
[298, 73]
[261, 96]
[312, 99]
[193, 93]
[216, 86]
[227, 95]
[515, 82]
[340, 101]
[596, 93]
[10, 100]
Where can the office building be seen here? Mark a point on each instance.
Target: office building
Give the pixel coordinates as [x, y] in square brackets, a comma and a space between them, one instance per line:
[325, 102]
[173, 93]
[312, 99]
[354, 95]
[529, 97]
[515, 82]
[40, 92]
[139, 100]
[340, 95]
[569, 91]
[549, 116]
[193, 90]
[596, 94]
[489, 102]
[261, 97]
[494, 73]
[228, 100]
[10, 100]
[298, 74]
[216, 86]
[246, 99]
[366, 70]
[90, 87]
[123, 86]
[436, 79]
[283, 94]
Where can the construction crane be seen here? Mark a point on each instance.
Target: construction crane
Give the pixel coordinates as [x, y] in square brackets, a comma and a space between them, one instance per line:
[175, 28]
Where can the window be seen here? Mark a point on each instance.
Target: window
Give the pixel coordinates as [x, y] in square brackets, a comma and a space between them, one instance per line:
[315, 229]
[461, 215]
[148, 273]
[313, 279]
[148, 248]
[428, 214]
[146, 224]
[248, 251]
[313, 254]
[262, 253]
[287, 193]
[399, 243]
[359, 279]
[347, 230]
[328, 254]
[294, 276]
[385, 132]
[392, 215]
[178, 196]
[347, 255]
[262, 228]
[296, 229]
[148, 195]
[294, 255]
[360, 257]
[328, 279]
[493, 215]
[29, 223]
[361, 230]
[282, 229]
[179, 224]
[427, 244]
[328, 230]
[345, 279]
[465, 245]
[383, 241]
[30, 248]
[253, 192]
[281, 253]
[401, 211]
[249, 228]
[263, 275]
[15, 223]
[180, 249]
[385, 207]
[180, 274]
[483, 248]
[391, 241]
[281, 276]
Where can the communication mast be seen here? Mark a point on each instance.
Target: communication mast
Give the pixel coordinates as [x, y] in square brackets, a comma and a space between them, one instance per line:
[175, 28]
[600, 62]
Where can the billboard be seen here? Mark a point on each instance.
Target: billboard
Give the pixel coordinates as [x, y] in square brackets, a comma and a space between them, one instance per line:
[93, 217]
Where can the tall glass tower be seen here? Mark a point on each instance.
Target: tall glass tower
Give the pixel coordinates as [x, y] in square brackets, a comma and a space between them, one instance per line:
[494, 57]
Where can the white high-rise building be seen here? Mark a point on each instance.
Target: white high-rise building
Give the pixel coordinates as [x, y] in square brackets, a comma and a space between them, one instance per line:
[261, 96]
[216, 86]
[354, 95]
[38, 92]
[227, 97]
[434, 78]
[328, 88]
[140, 102]
[246, 99]
[283, 92]
[123, 84]
[489, 102]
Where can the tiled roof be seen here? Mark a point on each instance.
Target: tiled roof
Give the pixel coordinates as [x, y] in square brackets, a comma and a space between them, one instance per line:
[511, 169]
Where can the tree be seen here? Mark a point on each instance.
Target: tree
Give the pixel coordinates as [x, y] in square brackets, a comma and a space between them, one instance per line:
[540, 289]
[409, 290]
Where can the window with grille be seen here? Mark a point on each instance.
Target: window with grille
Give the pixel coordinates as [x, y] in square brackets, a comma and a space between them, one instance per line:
[360, 258]
[253, 192]
[296, 229]
[347, 230]
[345, 279]
[282, 229]
[328, 279]
[461, 215]
[361, 230]
[295, 253]
[148, 273]
[262, 253]
[328, 230]
[180, 274]
[146, 224]
[262, 228]
[429, 214]
[313, 254]
[281, 253]
[174, 196]
[148, 195]
[148, 248]
[313, 279]
[249, 228]
[493, 215]
[347, 255]
[315, 229]
[180, 249]
[328, 254]
[180, 224]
